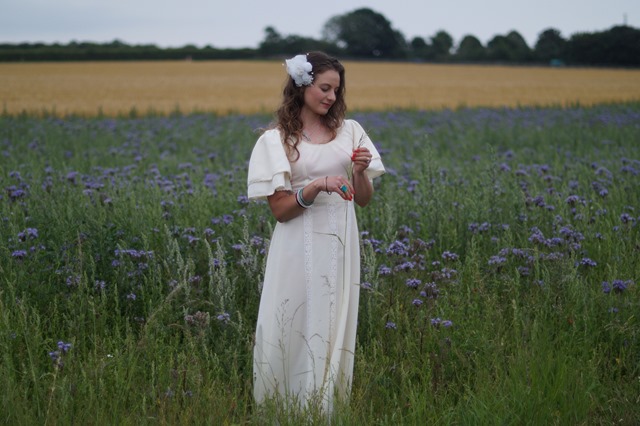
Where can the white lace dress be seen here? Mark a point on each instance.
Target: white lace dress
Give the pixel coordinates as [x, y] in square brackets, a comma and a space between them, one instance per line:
[306, 329]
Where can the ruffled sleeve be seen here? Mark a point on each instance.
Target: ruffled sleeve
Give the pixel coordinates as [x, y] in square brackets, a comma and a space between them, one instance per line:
[361, 138]
[269, 168]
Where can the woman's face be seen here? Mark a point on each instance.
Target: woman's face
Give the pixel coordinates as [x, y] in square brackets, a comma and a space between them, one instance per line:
[320, 96]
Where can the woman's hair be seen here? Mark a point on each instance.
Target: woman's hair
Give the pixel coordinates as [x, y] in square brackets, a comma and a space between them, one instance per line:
[288, 114]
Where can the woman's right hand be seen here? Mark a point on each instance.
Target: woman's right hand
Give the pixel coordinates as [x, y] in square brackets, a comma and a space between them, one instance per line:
[337, 184]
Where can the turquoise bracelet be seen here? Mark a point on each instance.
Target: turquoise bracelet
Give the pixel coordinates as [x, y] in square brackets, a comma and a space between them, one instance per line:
[301, 201]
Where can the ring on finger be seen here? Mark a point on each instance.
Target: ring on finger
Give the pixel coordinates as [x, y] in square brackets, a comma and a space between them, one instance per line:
[343, 188]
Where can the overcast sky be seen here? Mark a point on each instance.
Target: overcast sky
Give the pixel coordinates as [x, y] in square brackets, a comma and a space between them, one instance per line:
[241, 23]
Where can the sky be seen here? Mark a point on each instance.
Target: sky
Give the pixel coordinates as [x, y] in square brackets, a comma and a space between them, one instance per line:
[241, 23]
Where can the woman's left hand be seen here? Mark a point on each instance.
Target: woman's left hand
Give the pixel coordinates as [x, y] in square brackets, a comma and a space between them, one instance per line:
[361, 158]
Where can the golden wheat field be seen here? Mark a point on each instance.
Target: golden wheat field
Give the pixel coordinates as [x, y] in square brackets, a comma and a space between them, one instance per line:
[115, 88]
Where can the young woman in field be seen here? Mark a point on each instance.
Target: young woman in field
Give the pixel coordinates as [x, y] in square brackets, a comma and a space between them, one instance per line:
[312, 166]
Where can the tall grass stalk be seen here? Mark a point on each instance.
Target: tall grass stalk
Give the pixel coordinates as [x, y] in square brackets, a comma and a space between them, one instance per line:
[499, 256]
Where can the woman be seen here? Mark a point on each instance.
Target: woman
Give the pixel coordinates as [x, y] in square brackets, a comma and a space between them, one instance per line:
[311, 166]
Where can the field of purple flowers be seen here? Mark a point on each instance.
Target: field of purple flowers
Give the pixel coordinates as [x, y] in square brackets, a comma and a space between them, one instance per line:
[500, 268]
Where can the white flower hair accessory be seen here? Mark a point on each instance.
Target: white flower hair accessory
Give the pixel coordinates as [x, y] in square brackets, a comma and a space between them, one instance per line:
[300, 70]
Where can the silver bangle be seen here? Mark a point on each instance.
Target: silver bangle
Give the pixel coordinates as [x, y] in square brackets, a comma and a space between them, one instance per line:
[301, 201]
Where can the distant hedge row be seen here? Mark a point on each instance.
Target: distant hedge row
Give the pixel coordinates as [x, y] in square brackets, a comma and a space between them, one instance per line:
[618, 46]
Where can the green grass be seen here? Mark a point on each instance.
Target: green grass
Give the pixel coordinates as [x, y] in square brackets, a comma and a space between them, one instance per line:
[148, 261]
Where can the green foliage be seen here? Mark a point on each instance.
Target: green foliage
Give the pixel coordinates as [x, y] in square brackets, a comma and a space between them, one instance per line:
[366, 34]
[550, 46]
[620, 45]
[509, 48]
[499, 280]
[470, 50]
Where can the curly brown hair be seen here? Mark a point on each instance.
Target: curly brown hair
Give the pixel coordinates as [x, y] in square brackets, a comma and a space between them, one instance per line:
[288, 114]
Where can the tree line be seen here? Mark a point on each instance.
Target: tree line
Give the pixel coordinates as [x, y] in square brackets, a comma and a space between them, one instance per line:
[367, 34]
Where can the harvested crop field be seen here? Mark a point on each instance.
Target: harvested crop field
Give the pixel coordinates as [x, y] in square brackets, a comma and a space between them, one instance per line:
[117, 88]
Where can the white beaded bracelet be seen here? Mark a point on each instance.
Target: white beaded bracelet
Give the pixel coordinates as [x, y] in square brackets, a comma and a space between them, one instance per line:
[301, 201]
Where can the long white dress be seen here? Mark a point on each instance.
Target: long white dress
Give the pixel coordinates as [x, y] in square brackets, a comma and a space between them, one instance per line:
[306, 329]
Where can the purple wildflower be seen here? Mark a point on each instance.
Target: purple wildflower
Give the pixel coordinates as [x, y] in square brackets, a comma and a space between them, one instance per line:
[64, 347]
[551, 256]
[73, 280]
[627, 218]
[587, 262]
[391, 325]
[417, 303]
[398, 247]
[71, 177]
[257, 241]
[29, 233]
[619, 286]
[572, 200]
[15, 193]
[224, 317]
[192, 240]
[446, 274]
[517, 252]
[366, 285]
[384, 270]
[537, 237]
[430, 291]
[19, 254]
[447, 255]
[497, 260]
[56, 356]
[413, 282]
[134, 254]
[437, 322]
[405, 266]
[538, 201]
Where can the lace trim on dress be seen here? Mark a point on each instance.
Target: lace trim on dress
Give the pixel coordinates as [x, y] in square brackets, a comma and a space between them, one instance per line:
[333, 264]
[308, 259]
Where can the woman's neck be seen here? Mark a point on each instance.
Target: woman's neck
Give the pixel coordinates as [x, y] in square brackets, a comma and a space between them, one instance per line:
[310, 119]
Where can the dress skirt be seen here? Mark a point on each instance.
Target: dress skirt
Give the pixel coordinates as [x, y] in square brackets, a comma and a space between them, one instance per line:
[306, 329]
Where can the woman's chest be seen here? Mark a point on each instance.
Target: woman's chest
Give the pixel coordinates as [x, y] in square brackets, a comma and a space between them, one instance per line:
[333, 158]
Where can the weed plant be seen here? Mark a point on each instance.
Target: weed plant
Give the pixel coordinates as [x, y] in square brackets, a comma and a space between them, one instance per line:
[500, 262]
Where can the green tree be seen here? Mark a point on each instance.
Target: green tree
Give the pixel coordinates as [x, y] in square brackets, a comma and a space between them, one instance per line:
[441, 45]
[420, 49]
[618, 46]
[272, 42]
[509, 48]
[498, 49]
[365, 33]
[550, 45]
[520, 50]
[470, 50]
